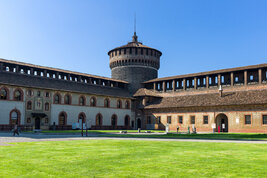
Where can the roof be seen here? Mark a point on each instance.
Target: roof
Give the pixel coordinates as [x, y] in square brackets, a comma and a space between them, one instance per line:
[30, 81]
[229, 98]
[59, 70]
[145, 92]
[209, 73]
[134, 44]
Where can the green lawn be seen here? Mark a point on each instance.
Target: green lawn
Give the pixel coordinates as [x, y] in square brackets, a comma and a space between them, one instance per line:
[221, 136]
[131, 158]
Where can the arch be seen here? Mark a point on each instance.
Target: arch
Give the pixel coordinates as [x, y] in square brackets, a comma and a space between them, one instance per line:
[29, 105]
[18, 95]
[14, 117]
[98, 120]
[127, 121]
[4, 93]
[127, 104]
[57, 98]
[62, 118]
[82, 117]
[82, 101]
[114, 119]
[119, 104]
[106, 103]
[67, 99]
[92, 101]
[220, 120]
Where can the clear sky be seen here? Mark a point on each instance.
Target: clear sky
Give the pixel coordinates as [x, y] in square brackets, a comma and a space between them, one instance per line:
[193, 35]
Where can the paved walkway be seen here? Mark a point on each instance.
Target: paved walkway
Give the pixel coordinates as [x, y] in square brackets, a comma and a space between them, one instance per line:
[6, 138]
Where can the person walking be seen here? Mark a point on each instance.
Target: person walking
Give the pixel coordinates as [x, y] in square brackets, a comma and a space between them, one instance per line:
[15, 130]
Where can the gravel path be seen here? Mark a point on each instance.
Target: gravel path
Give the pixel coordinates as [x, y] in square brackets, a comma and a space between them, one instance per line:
[6, 138]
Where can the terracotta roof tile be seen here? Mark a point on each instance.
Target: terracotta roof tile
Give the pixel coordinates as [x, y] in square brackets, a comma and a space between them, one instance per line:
[229, 98]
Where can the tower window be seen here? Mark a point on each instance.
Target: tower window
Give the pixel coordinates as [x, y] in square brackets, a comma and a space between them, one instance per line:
[130, 50]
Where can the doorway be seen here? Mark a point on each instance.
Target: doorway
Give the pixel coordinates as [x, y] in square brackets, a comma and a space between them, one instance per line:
[139, 124]
[37, 123]
[222, 122]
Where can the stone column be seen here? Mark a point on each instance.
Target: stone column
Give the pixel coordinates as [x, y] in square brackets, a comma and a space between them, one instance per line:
[245, 78]
[195, 83]
[219, 80]
[173, 85]
[17, 69]
[207, 81]
[45, 73]
[184, 84]
[154, 86]
[31, 71]
[57, 74]
[260, 76]
[232, 79]
[1, 67]
[164, 86]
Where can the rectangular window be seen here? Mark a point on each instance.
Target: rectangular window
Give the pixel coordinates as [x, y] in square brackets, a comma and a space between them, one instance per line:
[264, 119]
[180, 119]
[192, 119]
[159, 120]
[247, 119]
[205, 119]
[169, 119]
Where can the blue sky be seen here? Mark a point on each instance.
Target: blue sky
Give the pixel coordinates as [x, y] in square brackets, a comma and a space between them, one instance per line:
[193, 35]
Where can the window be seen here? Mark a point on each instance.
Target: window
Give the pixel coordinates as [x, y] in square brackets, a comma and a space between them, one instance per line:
[158, 120]
[67, 99]
[38, 93]
[29, 93]
[82, 101]
[180, 119]
[127, 105]
[28, 120]
[169, 119]
[29, 105]
[46, 120]
[57, 99]
[264, 119]
[46, 106]
[18, 95]
[106, 103]
[192, 119]
[126, 120]
[62, 119]
[14, 117]
[98, 120]
[3, 94]
[247, 119]
[47, 94]
[119, 104]
[92, 101]
[205, 119]
[148, 119]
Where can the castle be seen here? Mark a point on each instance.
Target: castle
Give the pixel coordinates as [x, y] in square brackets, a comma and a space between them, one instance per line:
[228, 100]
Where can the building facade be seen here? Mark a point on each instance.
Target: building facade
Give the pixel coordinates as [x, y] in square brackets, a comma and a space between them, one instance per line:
[228, 100]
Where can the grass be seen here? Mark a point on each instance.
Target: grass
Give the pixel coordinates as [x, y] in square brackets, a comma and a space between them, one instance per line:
[131, 158]
[221, 136]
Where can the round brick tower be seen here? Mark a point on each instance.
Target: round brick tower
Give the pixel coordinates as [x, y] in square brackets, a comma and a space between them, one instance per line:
[134, 63]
